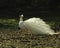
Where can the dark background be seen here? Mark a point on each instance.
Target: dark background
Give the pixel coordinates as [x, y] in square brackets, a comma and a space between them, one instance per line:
[39, 8]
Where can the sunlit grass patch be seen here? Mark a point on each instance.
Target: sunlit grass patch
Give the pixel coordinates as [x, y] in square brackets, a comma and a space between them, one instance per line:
[8, 23]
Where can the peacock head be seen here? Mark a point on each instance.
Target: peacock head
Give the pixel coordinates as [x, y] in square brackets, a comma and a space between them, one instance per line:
[21, 17]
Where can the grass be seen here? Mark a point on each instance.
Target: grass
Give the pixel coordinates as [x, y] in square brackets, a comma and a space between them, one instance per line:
[11, 37]
[8, 23]
[14, 23]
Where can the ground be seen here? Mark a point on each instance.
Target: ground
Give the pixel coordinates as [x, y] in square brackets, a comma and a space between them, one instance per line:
[12, 37]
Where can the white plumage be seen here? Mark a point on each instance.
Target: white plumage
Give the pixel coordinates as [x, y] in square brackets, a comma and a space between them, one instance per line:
[36, 26]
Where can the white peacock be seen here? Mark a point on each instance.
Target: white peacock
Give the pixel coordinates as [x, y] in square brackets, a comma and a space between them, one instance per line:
[36, 26]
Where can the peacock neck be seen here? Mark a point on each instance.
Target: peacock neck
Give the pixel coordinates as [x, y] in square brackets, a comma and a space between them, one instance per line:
[21, 18]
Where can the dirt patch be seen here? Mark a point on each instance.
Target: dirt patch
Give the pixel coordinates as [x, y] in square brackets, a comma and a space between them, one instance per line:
[14, 38]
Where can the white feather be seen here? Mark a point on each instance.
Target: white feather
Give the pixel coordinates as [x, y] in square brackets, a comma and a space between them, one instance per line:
[36, 26]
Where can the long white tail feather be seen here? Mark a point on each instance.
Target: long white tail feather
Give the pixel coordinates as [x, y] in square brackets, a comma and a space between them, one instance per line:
[54, 33]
